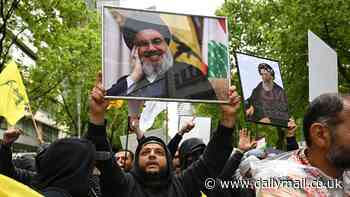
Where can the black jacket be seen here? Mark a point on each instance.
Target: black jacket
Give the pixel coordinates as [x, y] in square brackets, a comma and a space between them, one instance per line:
[271, 104]
[292, 144]
[116, 182]
[227, 174]
[63, 169]
[174, 144]
[7, 168]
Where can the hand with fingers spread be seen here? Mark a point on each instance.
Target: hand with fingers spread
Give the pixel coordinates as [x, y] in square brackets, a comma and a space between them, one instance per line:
[11, 135]
[137, 72]
[292, 127]
[229, 111]
[98, 104]
[245, 143]
[187, 127]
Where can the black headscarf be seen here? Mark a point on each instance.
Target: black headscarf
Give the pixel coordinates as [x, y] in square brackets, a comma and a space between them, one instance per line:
[66, 164]
[152, 181]
[191, 147]
[143, 20]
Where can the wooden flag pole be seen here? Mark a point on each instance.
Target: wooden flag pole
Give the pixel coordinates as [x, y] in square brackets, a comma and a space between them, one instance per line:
[39, 135]
[166, 124]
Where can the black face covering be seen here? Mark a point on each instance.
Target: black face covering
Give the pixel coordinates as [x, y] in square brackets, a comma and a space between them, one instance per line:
[153, 181]
[192, 157]
[190, 151]
[66, 164]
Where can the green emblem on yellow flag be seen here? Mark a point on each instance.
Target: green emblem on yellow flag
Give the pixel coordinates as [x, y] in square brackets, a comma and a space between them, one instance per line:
[13, 96]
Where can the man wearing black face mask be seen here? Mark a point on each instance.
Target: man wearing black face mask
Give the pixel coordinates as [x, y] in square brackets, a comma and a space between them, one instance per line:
[190, 151]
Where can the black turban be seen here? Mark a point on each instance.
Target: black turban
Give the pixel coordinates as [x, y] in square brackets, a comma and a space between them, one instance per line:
[141, 21]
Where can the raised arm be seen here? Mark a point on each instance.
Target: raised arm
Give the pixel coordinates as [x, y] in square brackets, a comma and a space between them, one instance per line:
[218, 150]
[6, 165]
[292, 143]
[245, 143]
[113, 179]
[175, 141]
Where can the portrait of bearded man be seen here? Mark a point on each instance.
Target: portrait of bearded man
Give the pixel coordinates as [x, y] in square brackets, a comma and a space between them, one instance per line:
[155, 73]
[268, 102]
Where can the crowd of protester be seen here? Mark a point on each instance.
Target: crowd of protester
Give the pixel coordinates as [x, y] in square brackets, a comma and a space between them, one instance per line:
[73, 167]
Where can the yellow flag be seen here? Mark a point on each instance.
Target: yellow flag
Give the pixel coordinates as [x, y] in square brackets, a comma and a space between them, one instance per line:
[13, 96]
[116, 104]
[12, 188]
[185, 45]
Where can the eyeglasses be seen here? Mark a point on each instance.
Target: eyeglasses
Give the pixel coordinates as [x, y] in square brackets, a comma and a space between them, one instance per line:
[146, 43]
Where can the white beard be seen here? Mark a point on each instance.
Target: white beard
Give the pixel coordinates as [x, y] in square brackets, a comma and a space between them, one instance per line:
[152, 70]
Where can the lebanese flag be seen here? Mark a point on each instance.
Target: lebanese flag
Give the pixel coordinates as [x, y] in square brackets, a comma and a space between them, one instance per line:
[215, 49]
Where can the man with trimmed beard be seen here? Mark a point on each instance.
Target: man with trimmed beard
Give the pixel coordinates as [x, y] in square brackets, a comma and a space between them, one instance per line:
[154, 71]
[152, 173]
[324, 164]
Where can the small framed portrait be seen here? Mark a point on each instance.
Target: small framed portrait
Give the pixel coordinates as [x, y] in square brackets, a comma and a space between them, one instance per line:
[149, 55]
[264, 97]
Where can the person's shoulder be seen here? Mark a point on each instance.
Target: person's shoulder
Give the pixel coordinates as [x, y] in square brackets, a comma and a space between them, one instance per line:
[119, 81]
[55, 192]
[119, 87]
[277, 86]
[123, 78]
[259, 86]
[130, 177]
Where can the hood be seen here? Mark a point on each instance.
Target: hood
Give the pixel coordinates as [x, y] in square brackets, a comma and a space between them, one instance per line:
[152, 181]
[66, 164]
[191, 147]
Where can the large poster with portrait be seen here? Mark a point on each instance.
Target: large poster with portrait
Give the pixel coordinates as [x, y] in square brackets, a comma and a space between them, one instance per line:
[150, 55]
[264, 97]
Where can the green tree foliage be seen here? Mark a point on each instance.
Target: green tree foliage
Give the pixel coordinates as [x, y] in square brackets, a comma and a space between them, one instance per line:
[8, 23]
[278, 29]
[117, 124]
[67, 40]
[66, 35]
